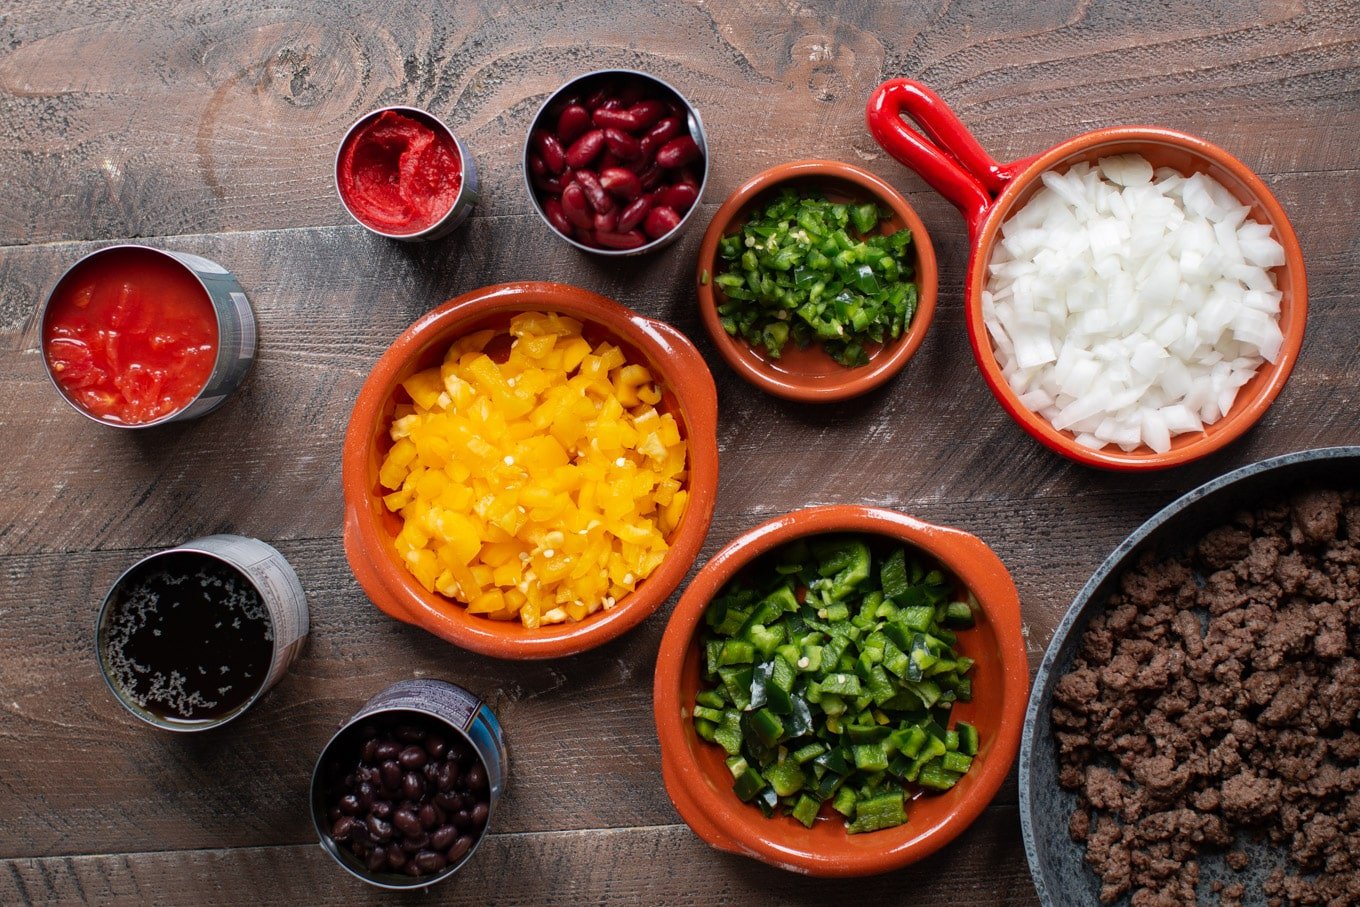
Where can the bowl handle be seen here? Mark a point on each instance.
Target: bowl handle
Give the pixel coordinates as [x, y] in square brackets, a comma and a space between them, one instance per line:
[948, 157]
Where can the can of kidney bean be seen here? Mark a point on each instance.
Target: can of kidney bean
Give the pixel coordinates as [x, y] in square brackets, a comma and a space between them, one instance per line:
[191, 637]
[404, 792]
[184, 329]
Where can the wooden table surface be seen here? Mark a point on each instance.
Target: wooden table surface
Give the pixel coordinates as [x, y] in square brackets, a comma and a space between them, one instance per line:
[190, 127]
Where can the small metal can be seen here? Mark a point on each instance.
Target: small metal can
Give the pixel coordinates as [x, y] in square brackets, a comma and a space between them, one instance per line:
[266, 571]
[235, 333]
[462, 205]
[463, 715]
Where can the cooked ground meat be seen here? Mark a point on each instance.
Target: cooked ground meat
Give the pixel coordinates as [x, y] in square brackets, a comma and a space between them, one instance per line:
[1218, 698]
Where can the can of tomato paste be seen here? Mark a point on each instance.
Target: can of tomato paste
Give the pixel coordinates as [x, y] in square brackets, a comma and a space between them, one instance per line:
[191, 637]
[134, 337]
[451, 742]
[403, 174]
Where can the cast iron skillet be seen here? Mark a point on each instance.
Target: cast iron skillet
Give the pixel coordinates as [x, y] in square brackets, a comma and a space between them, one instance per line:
[1055, 861]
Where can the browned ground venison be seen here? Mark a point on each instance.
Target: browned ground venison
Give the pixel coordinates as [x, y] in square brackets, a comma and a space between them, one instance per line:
[1178, 738]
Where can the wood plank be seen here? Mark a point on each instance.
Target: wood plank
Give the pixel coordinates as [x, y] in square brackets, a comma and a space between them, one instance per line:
[655, 865]
[204, 122]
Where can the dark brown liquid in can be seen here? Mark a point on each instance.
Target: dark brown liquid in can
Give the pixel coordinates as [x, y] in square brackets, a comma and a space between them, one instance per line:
[187, 638]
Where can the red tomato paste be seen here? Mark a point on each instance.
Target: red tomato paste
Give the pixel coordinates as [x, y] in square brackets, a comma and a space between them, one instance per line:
[399, 175]
[130, 336]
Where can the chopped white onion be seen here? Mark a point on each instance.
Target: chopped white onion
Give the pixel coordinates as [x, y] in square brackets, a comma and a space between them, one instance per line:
[1129, 305]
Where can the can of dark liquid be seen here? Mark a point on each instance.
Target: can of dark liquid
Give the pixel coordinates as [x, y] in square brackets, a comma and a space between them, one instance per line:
[190, 637]
[450, 725]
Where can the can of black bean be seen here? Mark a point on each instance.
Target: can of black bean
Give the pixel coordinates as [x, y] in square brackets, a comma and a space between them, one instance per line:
[406, 789]
[190, 637]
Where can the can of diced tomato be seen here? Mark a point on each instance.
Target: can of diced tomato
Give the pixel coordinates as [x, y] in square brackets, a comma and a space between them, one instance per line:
[406, 789]
[134, 336]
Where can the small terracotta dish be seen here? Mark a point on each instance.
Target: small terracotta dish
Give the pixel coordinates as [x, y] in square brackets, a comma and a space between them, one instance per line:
[987, 193]
[688, 393]
[698, 781]
[811, 375]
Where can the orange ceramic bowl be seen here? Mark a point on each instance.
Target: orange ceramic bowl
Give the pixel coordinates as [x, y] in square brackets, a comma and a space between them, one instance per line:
[697, 778]
[811, 375]
[688, 394]
[988, 193]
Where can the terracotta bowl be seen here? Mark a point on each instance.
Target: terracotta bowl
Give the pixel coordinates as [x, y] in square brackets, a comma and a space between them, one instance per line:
[697, 778]
[811, 375]
[988, 193]
[370, 528]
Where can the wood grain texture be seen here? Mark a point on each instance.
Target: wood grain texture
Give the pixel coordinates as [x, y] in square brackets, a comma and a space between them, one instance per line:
[213, 131]
[620, 866]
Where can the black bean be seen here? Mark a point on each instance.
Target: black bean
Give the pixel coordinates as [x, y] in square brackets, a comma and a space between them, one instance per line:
[407, 822]
[459, 751]
[381, 808]
[475, 780]
[342, 828]
[412, 757]
[351, 805]
[480, 813]
[447, 800]
[333, 813]
[429, 861]
[412, 843]
[366, 794]
[410, 733]
[431, 772]
[431, 816]
[391, 774]
[441, 839]
[459, 847]
[413, 786]
[435, 746]
[360, 849]
[388, 749]
[463, 819]
[380, 829]
[369, 751]
[349, 780]
[447, 775]
[396, 857]
[376, 860]
[368, 774]
[411, 869]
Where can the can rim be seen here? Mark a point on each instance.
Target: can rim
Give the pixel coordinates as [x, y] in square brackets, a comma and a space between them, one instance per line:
[42, 333]
[328, 844]
[145, 715]
[430, 120]
[696, 127]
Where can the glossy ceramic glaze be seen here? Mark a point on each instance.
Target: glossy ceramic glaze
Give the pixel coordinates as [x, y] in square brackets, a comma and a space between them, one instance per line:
[697, 780]
[1055, 860]
[688, 393]
[987, 192]
[811, 375]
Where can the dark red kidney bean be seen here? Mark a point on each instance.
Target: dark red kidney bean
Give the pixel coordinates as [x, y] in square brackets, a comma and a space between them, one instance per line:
[651, 177]
[476, 778]
[376, 860]
[620, 182]
[664, 130]
[631, 93]
[441, 839]
[430, 862]
[462, 819]
[596, 97]
[436, 746]
[413, 757]
[459, 847]
[573, 121]
[480, 812]
[396, 857]
[688, 177]
[645, 113]
[595, 194]
[606, 223]
[630, 240]
[575, 206]
[680, 197]
[552, 208]
[550, 149]
[342, 828]
[646, 152]
[381, 808]
[614, 118]
[613, 103]
[623, 145]
[585, 149]
[631, 216]
[553, 185]
[391, 774]
[380, 829]
[608, 159]
[429, 816]
[448, 774]
[678, 152]
[536, 168]
[407, 822]
[660, 221]
[386, 750]
[350, 805]
[412, 786]
[448, 801]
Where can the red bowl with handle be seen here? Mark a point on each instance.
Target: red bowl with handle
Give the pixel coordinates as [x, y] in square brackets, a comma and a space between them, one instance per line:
[951, 160]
